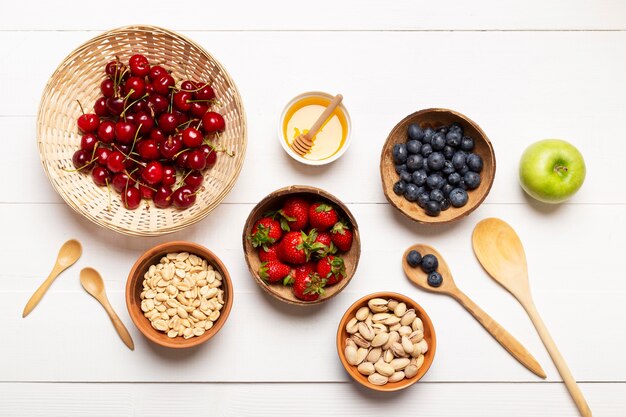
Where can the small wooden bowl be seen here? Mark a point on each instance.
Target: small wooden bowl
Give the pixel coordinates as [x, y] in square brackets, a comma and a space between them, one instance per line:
[272, 202]
[134, 287]
[437, 118]
[429, 336]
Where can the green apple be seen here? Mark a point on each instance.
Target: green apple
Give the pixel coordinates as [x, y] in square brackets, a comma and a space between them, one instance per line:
[552, 170]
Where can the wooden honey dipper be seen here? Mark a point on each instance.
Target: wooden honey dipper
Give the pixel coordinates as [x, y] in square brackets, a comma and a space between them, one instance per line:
[303, 143]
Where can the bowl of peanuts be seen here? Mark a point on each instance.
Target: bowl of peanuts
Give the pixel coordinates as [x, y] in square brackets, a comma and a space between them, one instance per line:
[386, 341]
[179, 294]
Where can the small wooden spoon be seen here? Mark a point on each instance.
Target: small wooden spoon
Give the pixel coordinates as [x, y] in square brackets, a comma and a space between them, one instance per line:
[448, 287]
[499, 250]
[303, 143]
[68, 255]
[92, 282]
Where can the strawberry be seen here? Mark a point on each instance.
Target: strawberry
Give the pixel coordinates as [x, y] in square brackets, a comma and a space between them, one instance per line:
[322, 244]
[265, 232]
[322, 216]
[331, 268]
[274, 271]
[307, 285]
[295, 214]
[291, 248]
[341, 236]
[268, 253]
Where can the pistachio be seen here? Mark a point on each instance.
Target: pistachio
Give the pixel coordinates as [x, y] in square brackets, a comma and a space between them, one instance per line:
[395, 327]
[374, 355]
[423, 346]
[350, 342]
[377, 379]
[408, 317]
[366, 331]
[362, 313]
[361, 354]
[397, 350]
[379, 327]
[417, 324]
[384, 369]
[360, 341]
[407, 345]
[366, 368]
[393, 338]
[397, 376]
[380, 317]
[380, 339]
[377, 305]
[419, 361]
[352, 326]
[392, 304]
[400, 363]
[400, 309]
[391, 320]
[416, 336]
[350, 353]
[410, 371]
[388, 356]
[405, 330]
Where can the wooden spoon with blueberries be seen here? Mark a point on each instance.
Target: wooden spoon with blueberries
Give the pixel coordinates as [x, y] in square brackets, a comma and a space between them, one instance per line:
[427, 269]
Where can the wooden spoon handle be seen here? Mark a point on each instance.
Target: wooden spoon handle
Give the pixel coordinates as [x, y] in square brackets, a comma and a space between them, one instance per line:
[119, 326]
[503, 337]
[558, 360]
[325, 115]
[41, 291]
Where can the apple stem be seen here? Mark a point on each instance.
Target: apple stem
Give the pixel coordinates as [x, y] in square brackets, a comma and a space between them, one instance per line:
[560, 169]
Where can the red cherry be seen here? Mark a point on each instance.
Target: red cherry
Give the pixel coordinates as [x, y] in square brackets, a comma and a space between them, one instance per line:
[135, 87]
[102, 155]
[163, 83]
[171, 146]
[81, 159]
[181, 159]
[194, 180]
[157, 103]
[107, 86]
[139, 107]
[149, 88]
[205, 92]
[139, 65]
[158, 135]
[184, 197]
[213, 122]
[115, 69]
[120, 181]
[125, 131]
[146, 192]
[155, 72]
[153, 173]
[168, 122]
[145, 122]
[88, 142]
[187, 86]
[196, 160]
[88, 122]
[181, 100]
[125, 149]
[100, 107]
[115, 105]
[162, 198]
[131, 197]
[100, 176]
[181, 117]
[106, 131]
[169, 175]
[116, 162]
[198, 109]
[192, 138]
[210, 155]
[148, 149]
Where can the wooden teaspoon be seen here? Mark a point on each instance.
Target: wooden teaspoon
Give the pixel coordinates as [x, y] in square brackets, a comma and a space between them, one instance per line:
[92, 282]
[448, 287]
[499, 250]
[68, 255]
[303, 143]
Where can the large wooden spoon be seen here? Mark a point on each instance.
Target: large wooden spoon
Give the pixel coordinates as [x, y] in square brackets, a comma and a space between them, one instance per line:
[448, 287]
[92, 282]
[499, 250]
[68, 255]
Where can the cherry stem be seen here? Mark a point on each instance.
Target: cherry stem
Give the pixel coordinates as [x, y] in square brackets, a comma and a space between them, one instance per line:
[133, 103]
[81, 107]
[182, 180]
[173, 87]
[123, 114]
[132, 148]
[188, 122]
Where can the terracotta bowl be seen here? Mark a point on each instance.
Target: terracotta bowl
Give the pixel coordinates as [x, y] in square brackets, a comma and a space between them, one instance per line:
[429, 335]
[436, 118]
[134, 287]
[273, 202]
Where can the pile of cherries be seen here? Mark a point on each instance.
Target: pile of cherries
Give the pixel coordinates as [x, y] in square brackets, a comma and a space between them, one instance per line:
[149, 136]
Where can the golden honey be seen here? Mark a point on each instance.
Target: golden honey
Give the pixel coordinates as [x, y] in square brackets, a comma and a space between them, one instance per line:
[301, 116]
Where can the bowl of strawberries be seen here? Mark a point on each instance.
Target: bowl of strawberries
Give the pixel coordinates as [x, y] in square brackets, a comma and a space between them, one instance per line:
[301, 244]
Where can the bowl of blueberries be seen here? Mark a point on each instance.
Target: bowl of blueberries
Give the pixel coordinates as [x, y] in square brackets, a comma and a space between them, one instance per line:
[437, 166]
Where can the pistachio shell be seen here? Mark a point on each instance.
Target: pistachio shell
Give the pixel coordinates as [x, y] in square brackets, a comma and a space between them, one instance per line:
[400, 309]
[380, 339]
[374, 355]
[400, 363]
[366, 368]
[384, 369]
[377, 379]
[397, 376]
[410, 371]
[408, 317]
[407, 345]
[350, 353]
[362, 313]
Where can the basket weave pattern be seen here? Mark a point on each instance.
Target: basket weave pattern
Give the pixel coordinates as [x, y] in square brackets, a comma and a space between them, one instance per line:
[79, 77]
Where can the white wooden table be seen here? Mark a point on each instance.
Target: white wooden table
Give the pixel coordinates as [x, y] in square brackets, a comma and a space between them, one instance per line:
[524, 71]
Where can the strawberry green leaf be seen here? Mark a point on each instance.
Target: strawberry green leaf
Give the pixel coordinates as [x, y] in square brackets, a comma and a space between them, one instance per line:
[323, 207]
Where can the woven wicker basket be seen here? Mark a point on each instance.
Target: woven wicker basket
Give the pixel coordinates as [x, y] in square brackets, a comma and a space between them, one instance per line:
[78, 78]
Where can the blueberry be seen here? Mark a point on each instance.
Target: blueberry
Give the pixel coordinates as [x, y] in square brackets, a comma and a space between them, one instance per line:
[456, 126]
[415, 132]
[436, 161]
[434, 181]
[458, 197]
[413, 146]
[423, 198]
[410, 193]
[399, 187]
[458, 160]
[414, 162]
[443, 129]
[432, 208]
[426, 150]
[399, 153]
[467, 143]
[448, 168]
[462, 184]
[400, 168]
[428, 135]
[445, 204]
[453, 138]
[463, 170]
[474, 162]
[448, 152]
[437, 195]
[405, 176]
[446, 189]
[439, 141]
[414, 258]
[430, 263]
[419, 177]
[454, 178]
[472, 180]
[435, 279]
